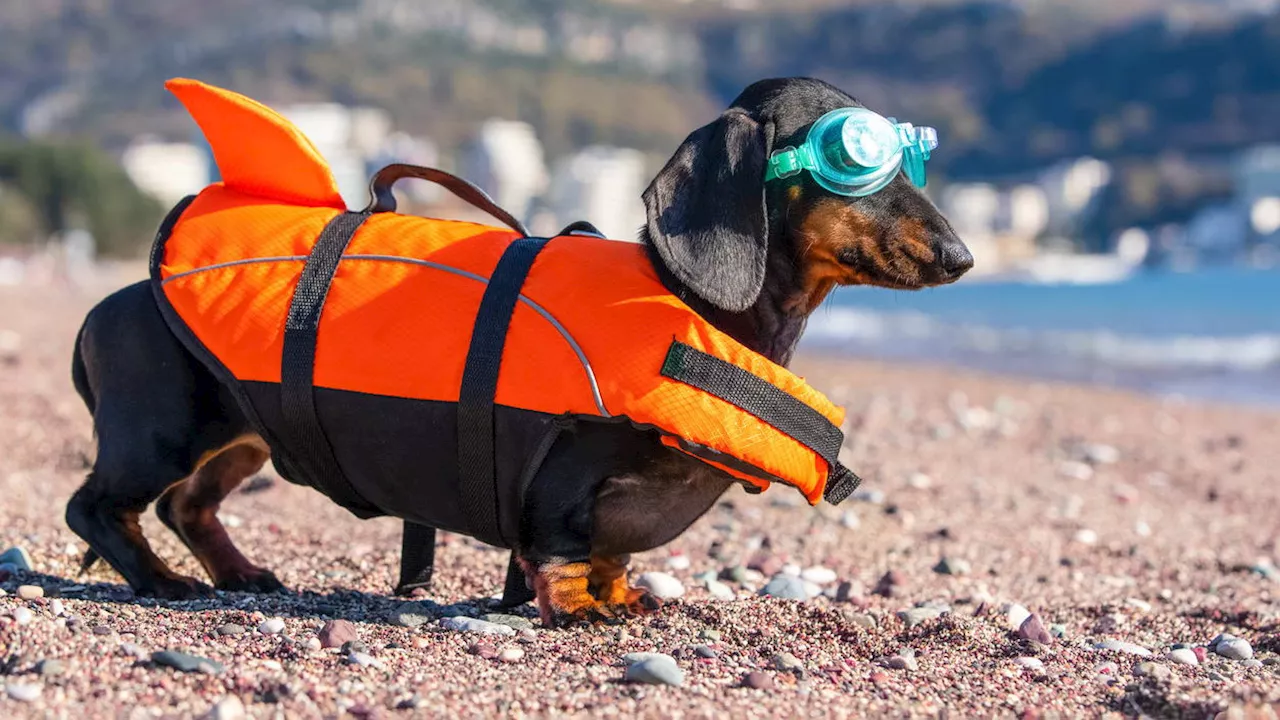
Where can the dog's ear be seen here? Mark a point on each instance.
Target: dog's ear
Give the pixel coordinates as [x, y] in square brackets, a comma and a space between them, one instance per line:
[706, 210]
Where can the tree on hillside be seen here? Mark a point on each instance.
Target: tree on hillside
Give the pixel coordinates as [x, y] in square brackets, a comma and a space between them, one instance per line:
[70, 186]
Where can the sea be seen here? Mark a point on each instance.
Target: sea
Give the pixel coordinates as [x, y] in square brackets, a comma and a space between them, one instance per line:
[1209, 334]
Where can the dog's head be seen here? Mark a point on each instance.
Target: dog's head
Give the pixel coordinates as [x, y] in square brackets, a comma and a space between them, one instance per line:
[717, 225]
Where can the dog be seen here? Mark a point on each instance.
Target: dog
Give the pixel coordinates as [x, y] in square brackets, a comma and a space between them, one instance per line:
[753, 257]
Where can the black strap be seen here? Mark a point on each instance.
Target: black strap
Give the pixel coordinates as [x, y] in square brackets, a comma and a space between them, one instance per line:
[480, 384]
[385, 201]
[417, 557]
[769, 403]
[580, 227]
[297, 363]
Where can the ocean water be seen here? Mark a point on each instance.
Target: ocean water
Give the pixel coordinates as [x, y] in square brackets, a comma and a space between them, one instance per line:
[1210, 334]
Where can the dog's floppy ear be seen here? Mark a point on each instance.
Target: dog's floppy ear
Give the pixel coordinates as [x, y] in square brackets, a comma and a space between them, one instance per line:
[706, 210]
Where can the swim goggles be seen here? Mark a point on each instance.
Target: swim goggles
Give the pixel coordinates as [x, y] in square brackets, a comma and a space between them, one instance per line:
[855, 152]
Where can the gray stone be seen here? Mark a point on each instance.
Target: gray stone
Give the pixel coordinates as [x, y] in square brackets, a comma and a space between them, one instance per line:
[466, 624]
[635, 657]
[1124, 647]
[1234, 649]
[917, 615]
[230, 629]
[1183, 656]
[511, 621]
[655, 671]
[703, 651]
[408, 615]
[271, 626]
[709, 634]
[23, 692]
[354, 646]
[787, 663]
[660, 584]
[1030, 663]
[785, 587]
[50, 667]
[1153, 670]
[862, 620]
[186, 663]
[228, 708]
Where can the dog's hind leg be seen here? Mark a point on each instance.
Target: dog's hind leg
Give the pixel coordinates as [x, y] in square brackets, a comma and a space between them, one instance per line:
[190, 510]
[157, 412]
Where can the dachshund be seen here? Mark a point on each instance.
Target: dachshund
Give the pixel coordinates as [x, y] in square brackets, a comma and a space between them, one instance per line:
[753, 258]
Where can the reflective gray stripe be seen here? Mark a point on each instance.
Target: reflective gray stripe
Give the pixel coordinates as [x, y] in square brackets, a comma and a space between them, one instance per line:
[573, 344]
[250, 261]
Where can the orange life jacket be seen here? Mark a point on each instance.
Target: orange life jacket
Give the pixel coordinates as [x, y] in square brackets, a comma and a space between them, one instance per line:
[388, 305]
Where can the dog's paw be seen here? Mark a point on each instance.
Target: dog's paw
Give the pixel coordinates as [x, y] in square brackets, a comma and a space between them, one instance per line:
[176, 587]
[640, 602]
[598, 614]
[262, 581]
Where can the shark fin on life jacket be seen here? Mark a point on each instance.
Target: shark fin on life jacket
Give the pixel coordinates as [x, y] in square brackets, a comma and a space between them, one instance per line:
[258, 151]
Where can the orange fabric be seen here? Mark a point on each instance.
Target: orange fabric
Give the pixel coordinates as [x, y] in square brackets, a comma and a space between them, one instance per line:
[394, 326]
[257, 150]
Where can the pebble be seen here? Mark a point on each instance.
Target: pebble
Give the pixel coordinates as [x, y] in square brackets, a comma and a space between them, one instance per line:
[50, 667]
[271, 626]
[704, 651]
[351, 646]
[102, 630]
[1016, 615]
[56, 607]
[16, 557]
[511, 654]
[657, 670]
[1155, 671]
[466, 624]
[875, 497]
[912, 617]
[1033, 629]
[1234, 649]
[757, 680]
[889, 584]
[904, 660]
[678, 562]
[1085, 536]
[709, 634]
[230, 629]
[920, 481]
[1030, 663]
[719, 590]
[185, 663]
[819, 575]
[30, 592]
[662, 585]
[635, 657]
[362, 659]
[786, 587]
[787, 663]
[1138, 604]
[228, 708]
[313, 644]
[408, 615]
[1183, 656]
[862, 620]
[848, 520]
[23, 692]
[847, 591]
[336, 632]
[791, 569]
[22, 616]
[1124, 647]
[1075, 470]
[511, 621]
[952, 566]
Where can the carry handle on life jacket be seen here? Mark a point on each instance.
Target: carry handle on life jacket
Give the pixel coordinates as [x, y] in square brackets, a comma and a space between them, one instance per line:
[383, 200]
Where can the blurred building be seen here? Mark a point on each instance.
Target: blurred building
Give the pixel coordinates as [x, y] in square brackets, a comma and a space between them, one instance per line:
[506, 160]
[346, 137]
[168, 171]
[601, 185]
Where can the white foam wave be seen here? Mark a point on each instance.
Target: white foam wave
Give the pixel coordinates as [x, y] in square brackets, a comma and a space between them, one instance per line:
[860, 326]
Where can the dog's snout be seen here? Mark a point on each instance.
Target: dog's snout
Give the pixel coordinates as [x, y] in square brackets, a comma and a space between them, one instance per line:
[955, 258]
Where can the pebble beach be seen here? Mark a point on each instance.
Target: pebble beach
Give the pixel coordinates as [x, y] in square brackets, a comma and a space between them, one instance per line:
[1017, 549]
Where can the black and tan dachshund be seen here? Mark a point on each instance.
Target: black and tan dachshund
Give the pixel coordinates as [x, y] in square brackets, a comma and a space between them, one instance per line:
[753, 258]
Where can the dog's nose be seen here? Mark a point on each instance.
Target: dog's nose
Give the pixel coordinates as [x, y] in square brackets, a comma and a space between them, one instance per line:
[956, 258]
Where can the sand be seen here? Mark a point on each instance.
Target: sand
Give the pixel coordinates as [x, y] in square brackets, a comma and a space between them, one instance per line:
[1111, 516]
